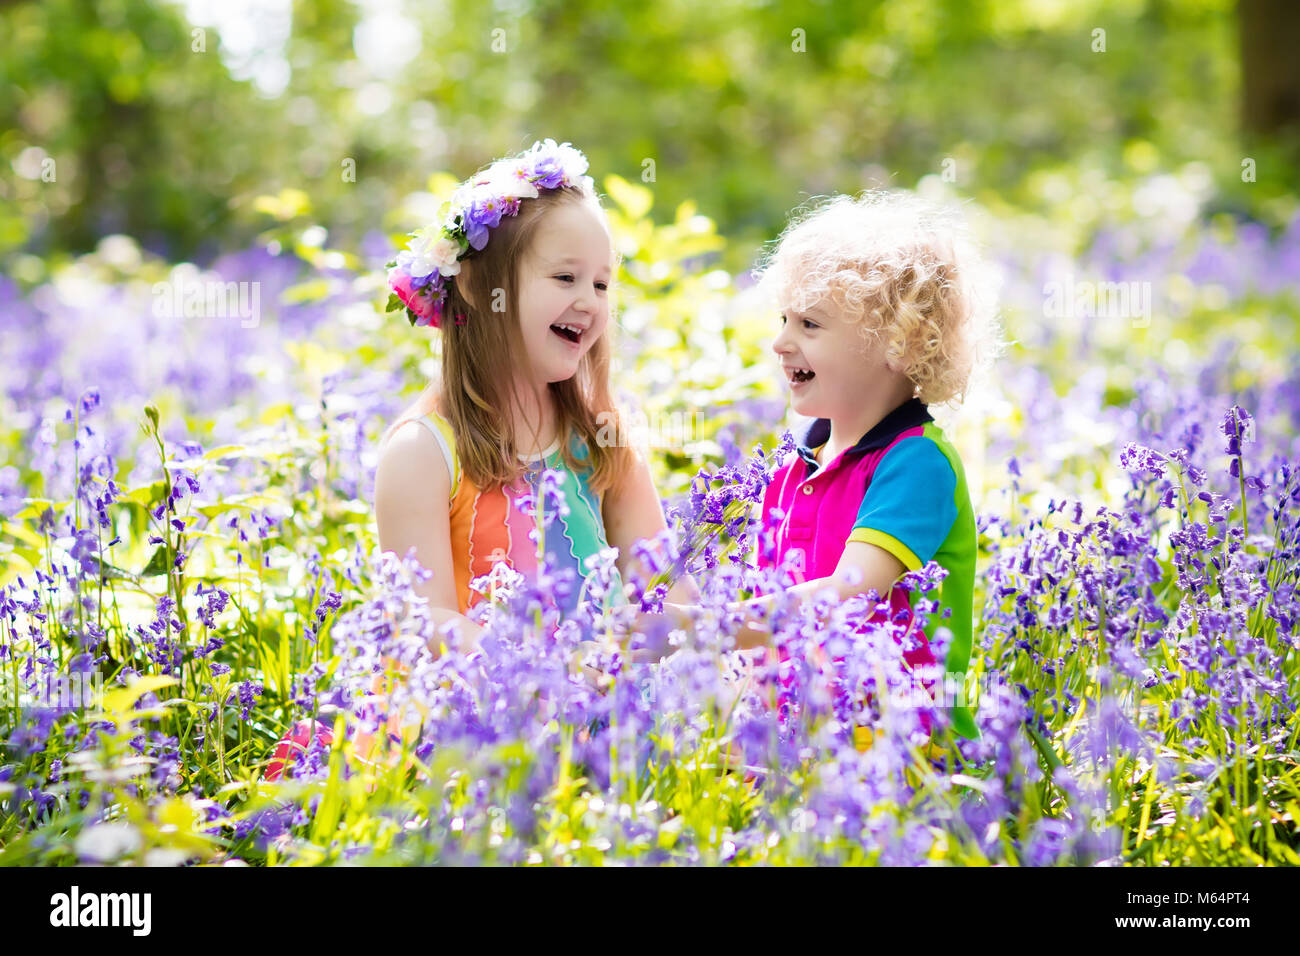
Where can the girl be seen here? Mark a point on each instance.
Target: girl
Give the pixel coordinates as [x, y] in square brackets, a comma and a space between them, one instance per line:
[883, 312]
[517, 280]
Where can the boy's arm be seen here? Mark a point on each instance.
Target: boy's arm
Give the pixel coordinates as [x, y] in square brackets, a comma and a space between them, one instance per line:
[861, 568]
[905, 515]
[684, 591]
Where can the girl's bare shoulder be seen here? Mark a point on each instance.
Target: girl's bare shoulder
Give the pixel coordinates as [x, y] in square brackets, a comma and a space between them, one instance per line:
[412, 462]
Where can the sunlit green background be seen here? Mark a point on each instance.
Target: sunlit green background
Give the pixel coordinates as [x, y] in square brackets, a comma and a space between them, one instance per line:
[167, 120]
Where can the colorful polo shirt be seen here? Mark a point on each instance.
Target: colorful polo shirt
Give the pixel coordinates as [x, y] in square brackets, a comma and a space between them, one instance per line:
[901, 488]
[488, 527]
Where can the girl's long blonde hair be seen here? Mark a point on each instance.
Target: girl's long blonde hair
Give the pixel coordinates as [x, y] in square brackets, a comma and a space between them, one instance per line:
[480, 356]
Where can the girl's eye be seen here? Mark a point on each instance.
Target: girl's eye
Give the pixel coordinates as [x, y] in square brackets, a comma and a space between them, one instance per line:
[566, 277]
[809, 324]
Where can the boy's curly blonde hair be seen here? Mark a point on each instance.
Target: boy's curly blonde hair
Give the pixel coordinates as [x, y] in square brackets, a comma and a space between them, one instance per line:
[905, 272]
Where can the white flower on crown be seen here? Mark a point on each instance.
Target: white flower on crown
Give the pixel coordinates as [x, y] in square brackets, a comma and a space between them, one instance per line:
[462, 199]
[510, 181]
[445, 252]
[429, 250]
[572, 161]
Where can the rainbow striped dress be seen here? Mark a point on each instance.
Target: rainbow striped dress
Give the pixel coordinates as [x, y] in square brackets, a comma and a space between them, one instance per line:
[488, 526]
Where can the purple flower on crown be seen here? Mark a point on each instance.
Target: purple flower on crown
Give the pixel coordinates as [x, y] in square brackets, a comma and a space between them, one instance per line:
[484, 213]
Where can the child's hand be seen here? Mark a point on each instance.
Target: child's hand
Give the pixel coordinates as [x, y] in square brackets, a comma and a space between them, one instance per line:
[645, 634]
[598, 678]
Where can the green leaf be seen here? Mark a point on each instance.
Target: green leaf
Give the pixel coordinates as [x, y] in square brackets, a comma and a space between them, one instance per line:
[272, 414]
[313, 290]
[146, 495]
[247, 502]
[331, 805]
[21, 533]
[107, 571]
[158, 564]
[226, 451]
[12, 560]
[635, 200]
[289, 204]
[35, 508]
[119, 702]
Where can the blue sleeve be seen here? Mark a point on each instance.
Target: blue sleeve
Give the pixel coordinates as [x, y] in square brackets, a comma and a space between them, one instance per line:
[909, 506]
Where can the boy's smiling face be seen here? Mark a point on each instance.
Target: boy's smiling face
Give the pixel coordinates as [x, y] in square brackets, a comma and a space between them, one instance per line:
[830, 369]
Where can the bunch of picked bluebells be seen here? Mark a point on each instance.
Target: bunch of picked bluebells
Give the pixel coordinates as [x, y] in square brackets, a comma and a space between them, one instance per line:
[717, 518]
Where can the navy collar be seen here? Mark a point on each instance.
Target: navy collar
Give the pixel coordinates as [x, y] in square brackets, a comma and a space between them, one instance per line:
[908, 415]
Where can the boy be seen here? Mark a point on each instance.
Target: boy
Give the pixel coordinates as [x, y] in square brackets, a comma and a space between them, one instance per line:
[883, 313]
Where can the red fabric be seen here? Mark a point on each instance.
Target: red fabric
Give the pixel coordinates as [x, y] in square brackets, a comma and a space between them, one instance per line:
[296, 741]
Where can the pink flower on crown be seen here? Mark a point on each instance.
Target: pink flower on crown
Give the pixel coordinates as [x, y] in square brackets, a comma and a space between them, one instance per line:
[421, 299]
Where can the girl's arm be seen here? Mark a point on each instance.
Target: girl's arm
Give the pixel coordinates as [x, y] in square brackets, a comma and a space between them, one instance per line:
[873, 568]
[633, 512]
[412, 488]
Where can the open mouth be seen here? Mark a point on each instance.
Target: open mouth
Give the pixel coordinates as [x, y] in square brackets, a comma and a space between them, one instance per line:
[798, 376]
[568, 332]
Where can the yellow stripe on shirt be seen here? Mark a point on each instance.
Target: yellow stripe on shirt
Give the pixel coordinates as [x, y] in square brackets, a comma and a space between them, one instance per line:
[889, 543]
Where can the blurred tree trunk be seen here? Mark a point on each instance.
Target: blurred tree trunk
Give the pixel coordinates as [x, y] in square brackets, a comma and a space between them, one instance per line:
[1270, 65]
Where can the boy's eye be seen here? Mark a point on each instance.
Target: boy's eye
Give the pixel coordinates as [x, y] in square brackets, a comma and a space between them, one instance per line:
[564, 278]
[602, 286]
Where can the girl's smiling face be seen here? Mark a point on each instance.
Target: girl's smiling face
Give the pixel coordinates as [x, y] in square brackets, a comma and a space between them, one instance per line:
[564, 291]
[828, 366]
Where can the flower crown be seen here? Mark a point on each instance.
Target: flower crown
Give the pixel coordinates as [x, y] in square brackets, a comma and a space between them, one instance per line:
[421, 273]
